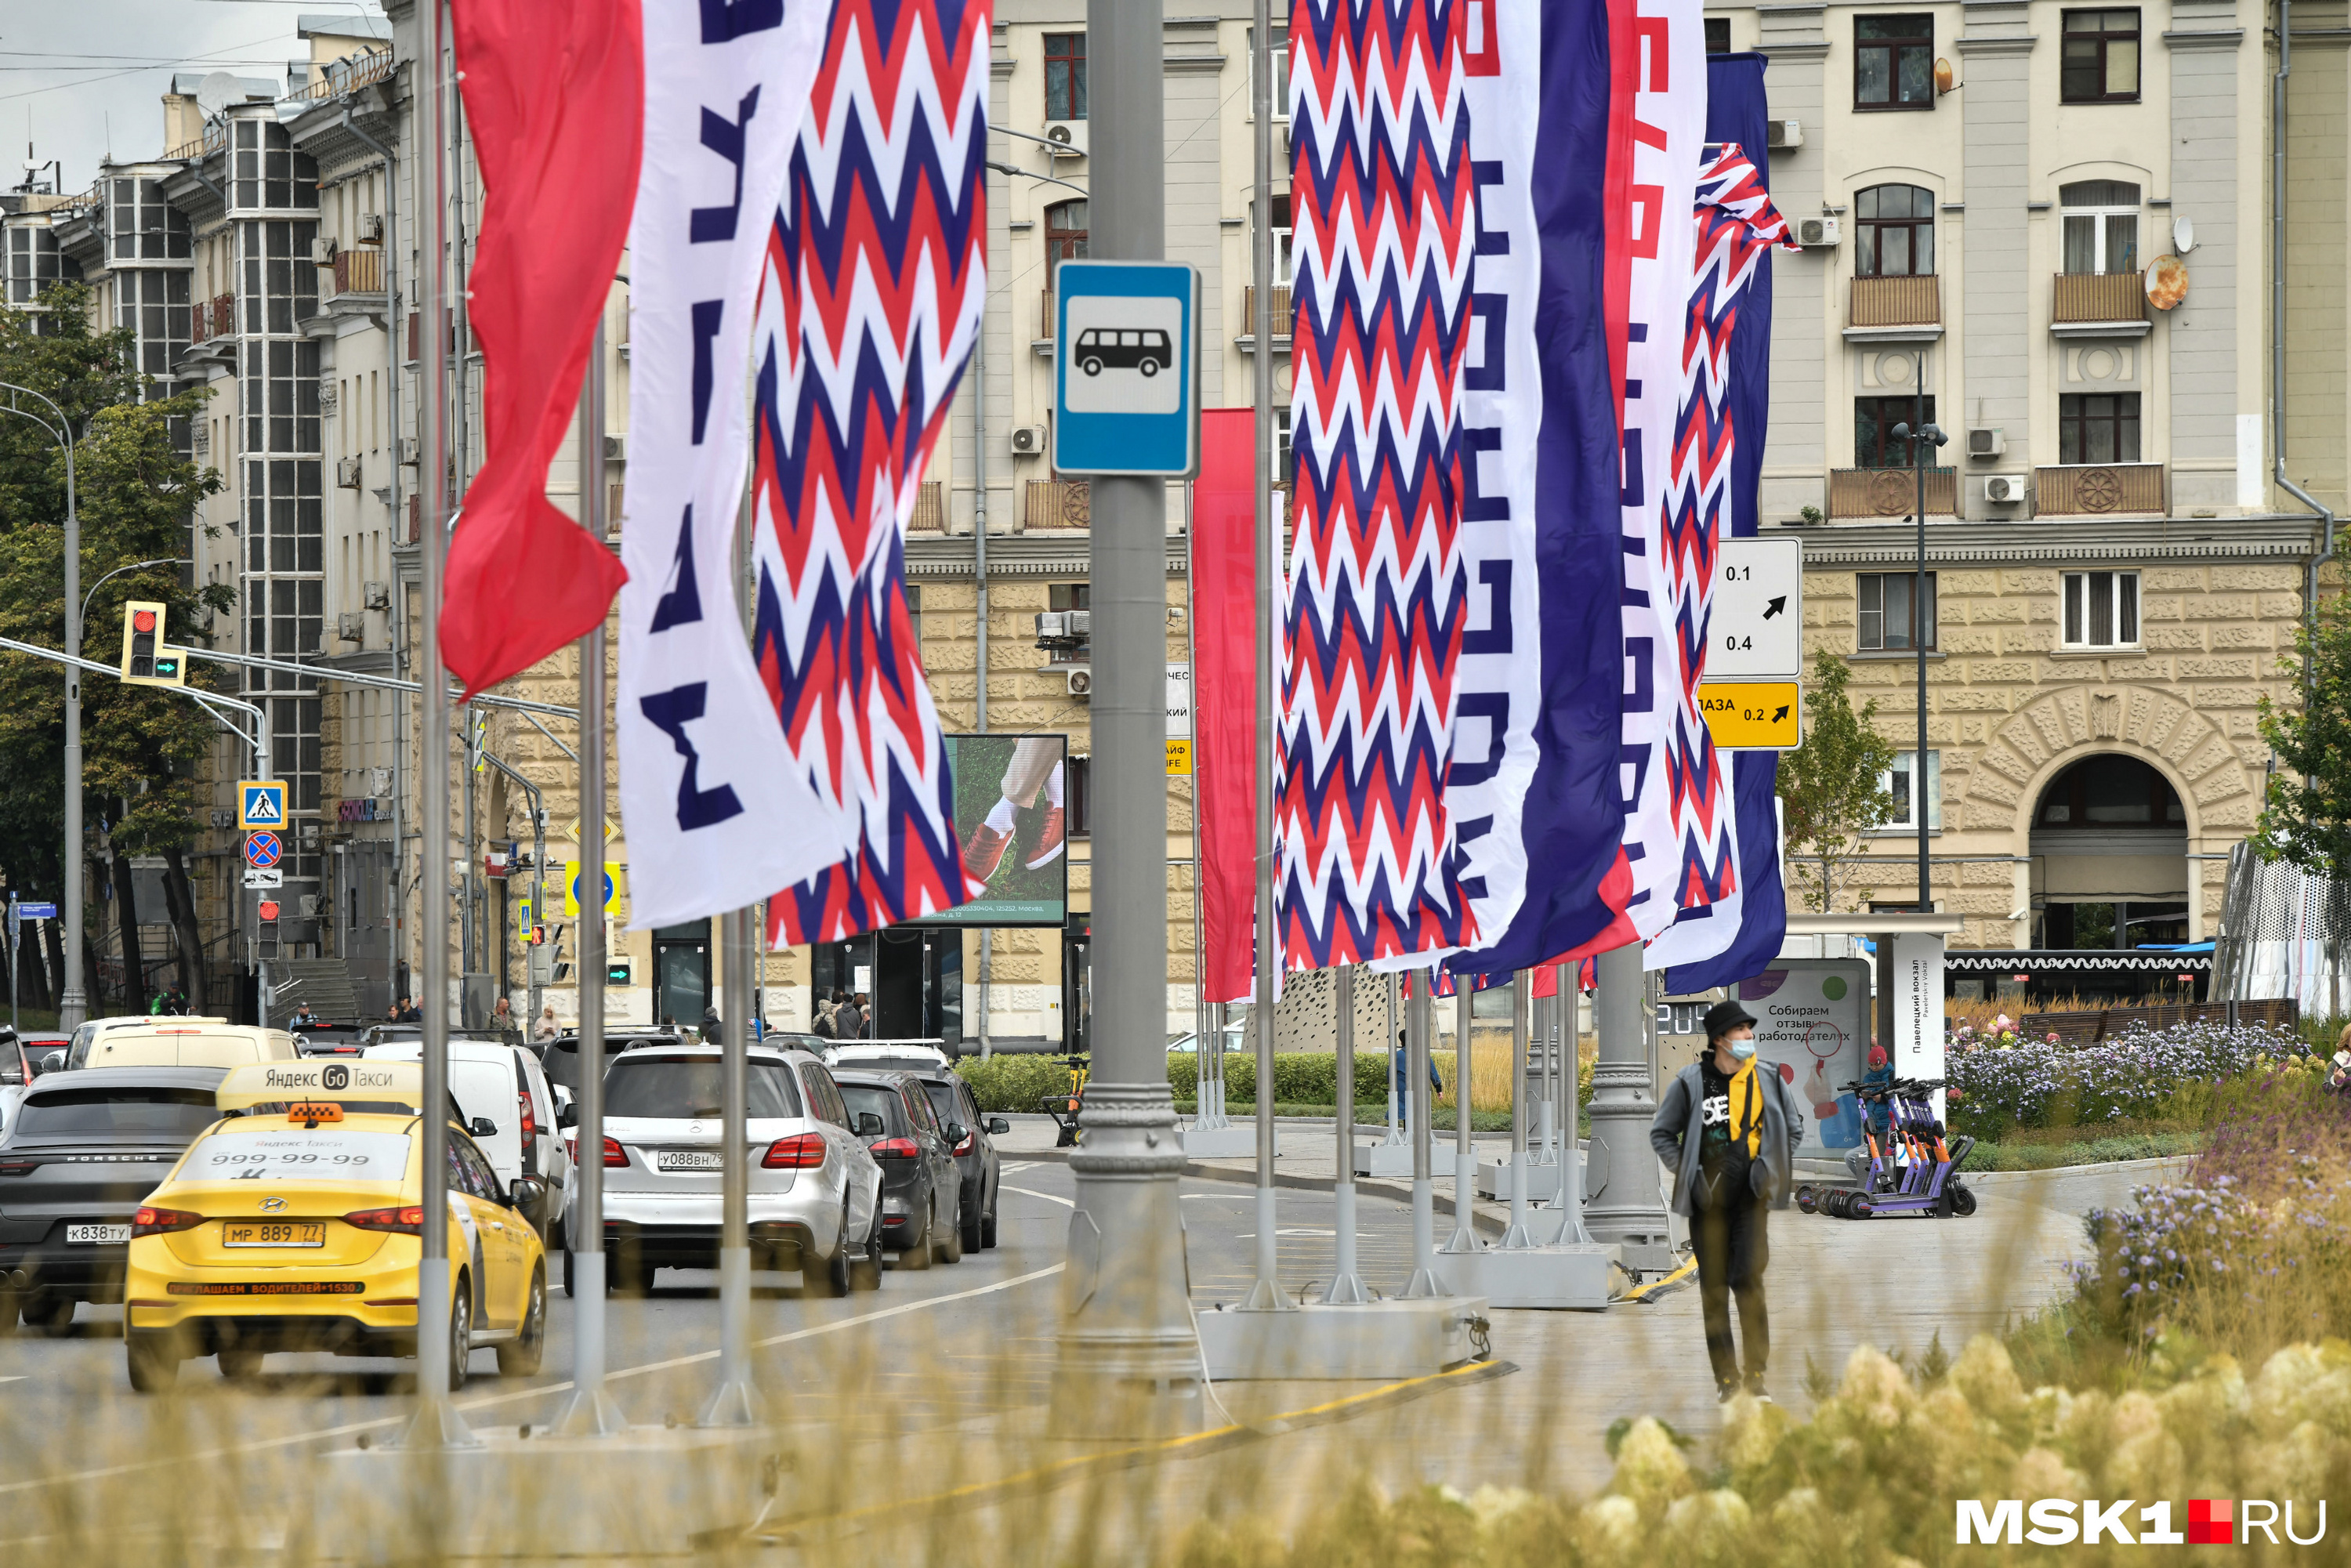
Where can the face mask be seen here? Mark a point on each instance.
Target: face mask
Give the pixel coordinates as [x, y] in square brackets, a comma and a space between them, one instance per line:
[1742, 1049]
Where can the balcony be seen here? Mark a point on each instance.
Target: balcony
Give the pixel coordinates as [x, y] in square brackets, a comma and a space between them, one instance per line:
[2098, 305]
[930, 509]
[1894, 309]
[1043, 342]
[1247, 336]
[1052, 504]
[359, 271]
[224, 315]
[1878, 492]
[2098, 489]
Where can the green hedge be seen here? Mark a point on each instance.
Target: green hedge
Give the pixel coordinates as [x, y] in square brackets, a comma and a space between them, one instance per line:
[1303, 1077]
[1014, 1082]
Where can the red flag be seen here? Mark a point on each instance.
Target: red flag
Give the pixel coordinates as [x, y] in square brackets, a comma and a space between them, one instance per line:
[555, 98]
[1224, 697]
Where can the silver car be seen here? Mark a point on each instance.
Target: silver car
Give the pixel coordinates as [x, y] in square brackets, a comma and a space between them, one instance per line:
[815, 1198]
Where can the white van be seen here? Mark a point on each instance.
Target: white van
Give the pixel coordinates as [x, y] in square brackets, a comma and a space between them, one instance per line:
[504, 1086]
[77, 1052]
[183, 1042]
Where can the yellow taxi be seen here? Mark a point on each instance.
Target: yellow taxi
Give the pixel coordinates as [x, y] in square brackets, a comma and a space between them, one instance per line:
[297, 1226]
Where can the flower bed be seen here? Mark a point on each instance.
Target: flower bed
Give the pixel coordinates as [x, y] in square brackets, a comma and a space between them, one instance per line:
[2002, 1080]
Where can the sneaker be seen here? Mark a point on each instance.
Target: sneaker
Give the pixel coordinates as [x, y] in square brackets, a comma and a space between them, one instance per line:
[1049, 841]
[1725, 1393]
[1762, 1395]
[982, 852]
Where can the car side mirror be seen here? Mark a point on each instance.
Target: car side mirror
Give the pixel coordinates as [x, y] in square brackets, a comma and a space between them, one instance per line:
[997, 1127]
[567, 1114]
[957, 1133]
[482, 1127]
[55, 1062]
[868, 1125]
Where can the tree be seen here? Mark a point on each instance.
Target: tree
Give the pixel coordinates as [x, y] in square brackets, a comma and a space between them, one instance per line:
[143, 748]
[2307, 819]
[1831, 787]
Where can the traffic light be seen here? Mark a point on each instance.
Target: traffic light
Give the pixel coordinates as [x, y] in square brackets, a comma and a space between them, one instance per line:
[147, 660]
[617, 971]
[265, 929]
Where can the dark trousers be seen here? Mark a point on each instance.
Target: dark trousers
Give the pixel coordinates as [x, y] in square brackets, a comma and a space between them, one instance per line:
[1734, 1248]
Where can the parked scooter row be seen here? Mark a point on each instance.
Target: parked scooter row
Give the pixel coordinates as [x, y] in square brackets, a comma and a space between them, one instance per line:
[1911, 1169]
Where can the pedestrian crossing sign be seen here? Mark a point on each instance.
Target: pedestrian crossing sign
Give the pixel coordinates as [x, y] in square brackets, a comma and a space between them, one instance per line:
[261, 803]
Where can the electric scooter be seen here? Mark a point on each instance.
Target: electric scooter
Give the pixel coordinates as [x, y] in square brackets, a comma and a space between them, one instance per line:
[1913, 1173]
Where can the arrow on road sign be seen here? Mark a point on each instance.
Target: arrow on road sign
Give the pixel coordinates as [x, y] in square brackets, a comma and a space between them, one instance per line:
[1778, 603]
[1781, 714]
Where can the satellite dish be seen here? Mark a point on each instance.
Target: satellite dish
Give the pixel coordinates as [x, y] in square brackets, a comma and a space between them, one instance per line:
[2183, 235]
[2166, 282]
[217, 91]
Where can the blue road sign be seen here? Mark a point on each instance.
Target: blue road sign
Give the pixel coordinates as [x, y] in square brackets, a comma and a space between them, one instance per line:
[261, 804]
[37, 912]
[1126, 371]
[262, 849]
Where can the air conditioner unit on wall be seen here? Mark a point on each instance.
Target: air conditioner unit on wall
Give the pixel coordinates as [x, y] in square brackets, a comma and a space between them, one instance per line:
[1783, 135]
[408, 452]
[2003, 489]
[1817, 232]
[1081, 682]
[371, 228]
[1986, 441]
[351, 626]
[377, 596]
[347, 473]
[616, 449]
[322, 250]
[1029, 440]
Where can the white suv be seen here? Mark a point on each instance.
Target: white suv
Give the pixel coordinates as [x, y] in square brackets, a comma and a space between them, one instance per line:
[510, 1111]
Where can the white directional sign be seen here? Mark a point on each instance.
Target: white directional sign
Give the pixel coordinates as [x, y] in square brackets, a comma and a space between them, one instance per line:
[1756, 631]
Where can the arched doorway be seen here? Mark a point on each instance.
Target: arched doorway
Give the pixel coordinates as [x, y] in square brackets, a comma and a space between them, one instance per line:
[2109, 847]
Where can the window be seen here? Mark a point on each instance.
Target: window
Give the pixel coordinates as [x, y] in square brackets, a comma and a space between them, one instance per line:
[153, 304]
[1065, 235]
[270, 173]
[1281, 234]
[145, 226]
[1068, 596]
[1077, 795]
[1718, 42]
[2110, 791]
[1901, 782]
[35, 263]
[2101, 225]
[2097, 427]
[1875, 444]
[1065, 75]
[1893, 62]
[2100, 61]
[1887, 623]
[1281, 72]
[2101, 609]
[915, 611]
[1894, 232]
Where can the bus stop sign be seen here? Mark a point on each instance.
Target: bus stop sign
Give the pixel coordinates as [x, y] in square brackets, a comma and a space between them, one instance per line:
[1126, 367]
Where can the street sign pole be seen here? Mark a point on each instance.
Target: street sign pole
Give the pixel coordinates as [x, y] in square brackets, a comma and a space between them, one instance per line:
[1464, 1154]
[736, 1401]
[1130, 1364]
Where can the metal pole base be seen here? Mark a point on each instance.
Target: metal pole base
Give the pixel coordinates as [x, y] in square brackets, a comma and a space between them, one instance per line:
[592, 1413]
[1346, 1289]
[736, 1401]
[1546, 1136]
[437, 1423]
[1516, 1239]
[1465, 1186]
[1425, 1282]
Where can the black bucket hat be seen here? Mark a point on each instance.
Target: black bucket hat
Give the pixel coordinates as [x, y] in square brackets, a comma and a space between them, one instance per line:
[1724, 1016]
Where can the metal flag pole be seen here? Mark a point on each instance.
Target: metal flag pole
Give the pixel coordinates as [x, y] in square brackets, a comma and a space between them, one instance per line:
[1391, 1047]
[441, 1330]
[1522, 984]
[1464, 1155]
[592, 1412]
[1567, 1201]
[736, 1401]
[1546, 1017]
[1417, 1007]
[1346, 1290]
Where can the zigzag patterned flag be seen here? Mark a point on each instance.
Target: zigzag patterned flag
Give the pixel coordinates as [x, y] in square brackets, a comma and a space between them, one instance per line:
[1381, 201]
[876, 278]
[1737, 228]
[1741, 933]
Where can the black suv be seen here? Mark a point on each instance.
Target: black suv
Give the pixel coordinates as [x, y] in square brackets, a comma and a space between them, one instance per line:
[982, 1167]
[922, 1186]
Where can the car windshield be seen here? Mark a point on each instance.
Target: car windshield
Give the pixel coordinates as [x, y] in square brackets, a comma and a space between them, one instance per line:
[245, 1150]
[890, 1063]
[874, 1097]
[132, 1108]
[687, 1087]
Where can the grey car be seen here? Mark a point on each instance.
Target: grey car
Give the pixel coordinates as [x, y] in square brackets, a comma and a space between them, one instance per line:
[921, 1188]
[975, 1154]
[81, 1155]
[815, 1198]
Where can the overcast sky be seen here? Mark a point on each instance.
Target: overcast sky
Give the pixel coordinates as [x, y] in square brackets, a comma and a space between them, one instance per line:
[83, 75]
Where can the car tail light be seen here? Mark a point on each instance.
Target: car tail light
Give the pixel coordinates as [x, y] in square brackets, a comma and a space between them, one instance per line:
[529, 1122]
[896, 1149]
[965, 1147]
[801, 1151]
[156, 1221]
[18, 1168]
[615, 1156]
[408, 1221]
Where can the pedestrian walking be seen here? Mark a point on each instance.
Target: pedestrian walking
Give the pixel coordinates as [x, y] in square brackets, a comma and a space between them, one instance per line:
[1404, 1089]
[547, 1027]
[1731, 1133]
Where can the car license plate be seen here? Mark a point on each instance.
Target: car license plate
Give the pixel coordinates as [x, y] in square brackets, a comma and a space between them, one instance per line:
[687, 1160]
[97, 1235]
[275, 1233]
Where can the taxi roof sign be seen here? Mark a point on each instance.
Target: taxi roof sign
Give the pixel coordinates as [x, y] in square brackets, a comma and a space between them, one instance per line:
[260, 803]
[311, 1112]
[292, 1083]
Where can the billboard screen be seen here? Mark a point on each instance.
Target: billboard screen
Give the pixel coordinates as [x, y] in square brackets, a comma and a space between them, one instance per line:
[1010, 794]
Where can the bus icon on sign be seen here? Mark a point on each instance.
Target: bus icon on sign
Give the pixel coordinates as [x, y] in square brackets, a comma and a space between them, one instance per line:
[1146, 350]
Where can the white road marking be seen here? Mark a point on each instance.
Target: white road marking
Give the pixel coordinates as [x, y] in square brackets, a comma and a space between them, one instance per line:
[1048, 1197]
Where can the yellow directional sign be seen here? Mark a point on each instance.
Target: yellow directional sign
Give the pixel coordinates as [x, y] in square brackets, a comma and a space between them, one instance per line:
[615, 887]
[612, 830]
[1750, 715]
[1179, 758]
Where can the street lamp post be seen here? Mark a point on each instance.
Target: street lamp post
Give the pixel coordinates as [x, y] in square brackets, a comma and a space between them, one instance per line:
[1928, 438]
[73, 1003]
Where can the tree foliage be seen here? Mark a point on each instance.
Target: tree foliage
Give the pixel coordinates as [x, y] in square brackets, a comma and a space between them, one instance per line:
[2307, 819]
[1831, 790]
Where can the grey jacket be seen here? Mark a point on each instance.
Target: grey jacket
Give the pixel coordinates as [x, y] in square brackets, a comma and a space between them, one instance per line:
[1675, 1135]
